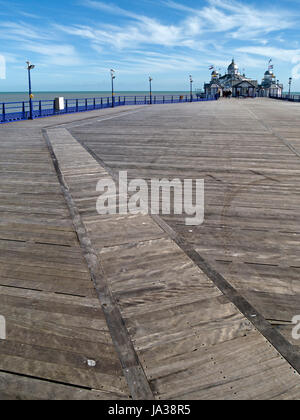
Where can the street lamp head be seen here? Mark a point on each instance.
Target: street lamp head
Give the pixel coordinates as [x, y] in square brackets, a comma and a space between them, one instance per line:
[112, 73]
[290, 80]
[191, 79]
[150, 79]
[29, 65]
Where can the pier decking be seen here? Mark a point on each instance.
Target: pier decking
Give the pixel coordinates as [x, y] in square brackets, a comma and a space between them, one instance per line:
[118, 307]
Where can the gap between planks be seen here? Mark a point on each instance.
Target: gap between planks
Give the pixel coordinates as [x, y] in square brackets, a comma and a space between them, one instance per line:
[133, 371]
[289, 352]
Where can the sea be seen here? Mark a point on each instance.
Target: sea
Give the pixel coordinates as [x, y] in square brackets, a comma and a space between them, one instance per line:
[23, 96]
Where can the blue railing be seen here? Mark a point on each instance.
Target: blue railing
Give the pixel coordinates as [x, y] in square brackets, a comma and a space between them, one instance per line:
[14, 111]
[286, 97]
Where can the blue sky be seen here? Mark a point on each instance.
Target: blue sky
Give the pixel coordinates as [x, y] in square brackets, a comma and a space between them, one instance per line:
[74, 43]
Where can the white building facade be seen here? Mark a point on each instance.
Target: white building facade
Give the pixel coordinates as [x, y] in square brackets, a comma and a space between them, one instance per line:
[235, 84]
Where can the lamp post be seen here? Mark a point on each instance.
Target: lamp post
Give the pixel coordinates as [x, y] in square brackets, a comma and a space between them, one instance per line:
[150, 82]
[29, 68]
[191, 87]
[113, 76]
[290, 84]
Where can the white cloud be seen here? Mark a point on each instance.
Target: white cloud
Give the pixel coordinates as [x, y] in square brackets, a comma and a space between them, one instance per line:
[29, 15]
[289, 56]
[208, 29]
[292, 56]
[148, 32]
[219, 20]
[196, 37]
[110, 8]
[237, 19]
[51, 49]
[57, 54]
[19, 31]
[179, 6]
[44, 43]
[158, 63]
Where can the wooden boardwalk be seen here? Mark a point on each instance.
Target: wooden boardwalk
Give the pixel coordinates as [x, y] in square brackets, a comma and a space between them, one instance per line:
[105, 307]
[58, 343]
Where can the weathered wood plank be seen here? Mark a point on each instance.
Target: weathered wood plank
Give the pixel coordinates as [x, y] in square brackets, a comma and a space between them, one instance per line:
[250, 234]
[58, 343]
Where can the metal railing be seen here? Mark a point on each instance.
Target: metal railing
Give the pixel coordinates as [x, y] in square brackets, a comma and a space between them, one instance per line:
[286, 97]
[14, 111]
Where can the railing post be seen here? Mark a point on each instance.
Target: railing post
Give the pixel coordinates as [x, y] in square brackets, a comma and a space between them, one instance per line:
[67, 106]
[135, 100]
[163, 99]
[40, 108]
[23, 109]
[77, 105]
[94, 103]
[3, 112]
[54, 107]
[101, 102]
[145, 100]
[86, 104]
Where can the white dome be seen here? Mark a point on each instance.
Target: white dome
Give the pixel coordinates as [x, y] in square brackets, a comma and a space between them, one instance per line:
[233, 67]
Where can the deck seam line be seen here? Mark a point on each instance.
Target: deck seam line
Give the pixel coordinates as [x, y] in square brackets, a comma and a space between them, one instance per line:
[50, 381]
[271, 131]
[133, 371]
[280, 344]
[85, 121]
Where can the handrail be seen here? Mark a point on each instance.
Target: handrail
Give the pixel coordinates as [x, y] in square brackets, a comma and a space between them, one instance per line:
[286, 97]
[14, 111]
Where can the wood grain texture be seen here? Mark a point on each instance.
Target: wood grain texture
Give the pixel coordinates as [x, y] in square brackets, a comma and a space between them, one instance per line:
[181, 325]
[55, 323]
[190, 340]
[67, 170]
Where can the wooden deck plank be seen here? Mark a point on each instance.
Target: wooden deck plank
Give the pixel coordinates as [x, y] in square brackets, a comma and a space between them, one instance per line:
[174, 323]
[251, 179]
[55, 324]
[13, 387]
[190, 340]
